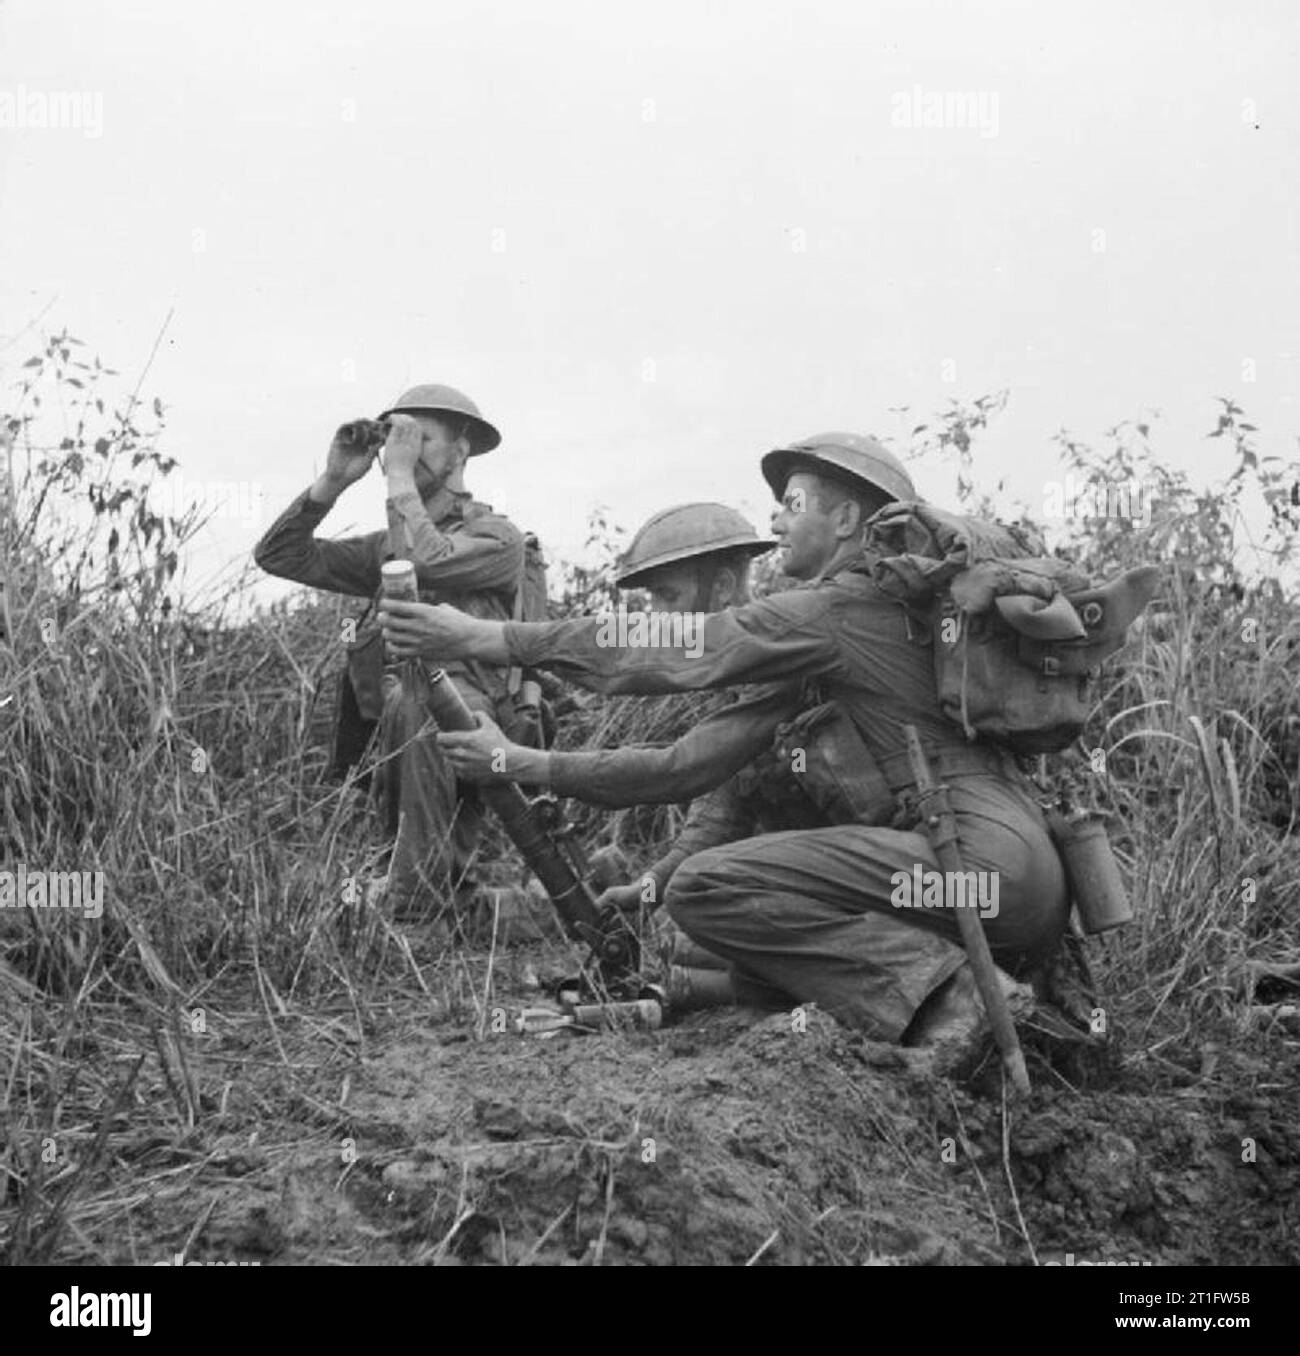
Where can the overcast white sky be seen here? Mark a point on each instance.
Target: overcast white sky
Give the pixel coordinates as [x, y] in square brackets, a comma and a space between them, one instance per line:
[548, 204]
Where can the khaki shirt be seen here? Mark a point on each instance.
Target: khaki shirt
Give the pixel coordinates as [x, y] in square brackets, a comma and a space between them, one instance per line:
[866, 650]
[656, 774]
[464, 554]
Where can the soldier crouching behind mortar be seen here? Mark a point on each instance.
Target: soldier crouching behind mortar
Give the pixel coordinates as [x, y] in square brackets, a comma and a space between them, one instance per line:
[810, 915]
[464, 555]
[692, 558]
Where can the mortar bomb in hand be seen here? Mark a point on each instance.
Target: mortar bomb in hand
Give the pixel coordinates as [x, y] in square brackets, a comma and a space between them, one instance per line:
[434, 631]
[478, 755]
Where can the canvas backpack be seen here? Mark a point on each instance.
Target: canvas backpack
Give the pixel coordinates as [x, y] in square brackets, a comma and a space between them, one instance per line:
[1018, 636]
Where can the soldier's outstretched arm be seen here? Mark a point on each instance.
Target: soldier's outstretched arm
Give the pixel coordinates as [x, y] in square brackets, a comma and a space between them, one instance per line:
[789, 635]
[699, 761]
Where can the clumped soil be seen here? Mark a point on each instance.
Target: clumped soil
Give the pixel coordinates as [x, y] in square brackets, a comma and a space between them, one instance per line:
[414, 1132]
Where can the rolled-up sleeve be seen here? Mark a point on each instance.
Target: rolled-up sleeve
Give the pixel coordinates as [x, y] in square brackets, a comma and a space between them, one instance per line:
[289, 550]
[789, 635]
[487, 552]
[700, 760]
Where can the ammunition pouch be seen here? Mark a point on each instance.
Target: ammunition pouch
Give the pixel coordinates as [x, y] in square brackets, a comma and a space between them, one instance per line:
[359, 705]
[834, 766]
[366, 674]
[525, 716]
[775, 795]
[352, 732]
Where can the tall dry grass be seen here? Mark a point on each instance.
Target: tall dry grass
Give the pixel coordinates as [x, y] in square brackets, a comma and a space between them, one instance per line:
[185, 756]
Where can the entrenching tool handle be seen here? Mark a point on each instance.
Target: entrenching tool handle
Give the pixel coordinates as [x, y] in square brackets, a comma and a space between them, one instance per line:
[940, 825]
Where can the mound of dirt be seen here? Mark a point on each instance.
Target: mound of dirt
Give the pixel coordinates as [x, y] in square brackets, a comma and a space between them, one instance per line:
[726, 1138]
[410, 1123]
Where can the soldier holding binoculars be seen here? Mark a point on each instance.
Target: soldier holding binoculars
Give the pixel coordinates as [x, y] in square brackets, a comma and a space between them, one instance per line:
[464, 554]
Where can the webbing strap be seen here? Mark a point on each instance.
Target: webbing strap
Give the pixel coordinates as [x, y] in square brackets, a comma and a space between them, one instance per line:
[514, 674]
[946, 764]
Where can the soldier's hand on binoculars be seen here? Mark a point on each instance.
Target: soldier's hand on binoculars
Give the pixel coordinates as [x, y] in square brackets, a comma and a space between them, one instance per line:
[404, 445]
[478, 755]
[352, 452]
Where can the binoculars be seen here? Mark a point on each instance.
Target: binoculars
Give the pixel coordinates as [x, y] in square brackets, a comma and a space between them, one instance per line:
[366, 434]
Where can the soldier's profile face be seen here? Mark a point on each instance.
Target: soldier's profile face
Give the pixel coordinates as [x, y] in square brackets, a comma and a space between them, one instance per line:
[805, 534]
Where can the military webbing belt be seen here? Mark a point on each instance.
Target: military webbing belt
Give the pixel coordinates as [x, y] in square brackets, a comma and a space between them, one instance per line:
[948, 763]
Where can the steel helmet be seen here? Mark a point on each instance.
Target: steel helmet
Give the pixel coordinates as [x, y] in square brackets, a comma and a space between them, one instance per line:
[683, 532]
[840, 456]
[431, 399]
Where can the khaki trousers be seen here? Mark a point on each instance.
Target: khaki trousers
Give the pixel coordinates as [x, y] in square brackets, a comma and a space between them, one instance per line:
[438, 819]
[808, 917]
